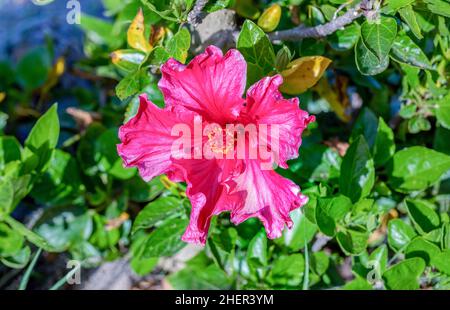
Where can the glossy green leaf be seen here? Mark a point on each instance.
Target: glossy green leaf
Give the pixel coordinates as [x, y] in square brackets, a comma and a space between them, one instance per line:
[409, 17]
[330, 210]
[288, 270]
[62, 227]
[179, 44]
[404, 275]
[379, 35]
[416, 168]
[357, 171]
[367, 62]
[442, 261]
[257, 50]
[422, 214]
[443, 112]
[353, 241]
[399, 234]
[10, 241]
[345, 39]
[406, 51]
[440, 7]
[384, 147]
[301, 232]
[157, 211]
[419, 247]
[257, 249]
[166, 239]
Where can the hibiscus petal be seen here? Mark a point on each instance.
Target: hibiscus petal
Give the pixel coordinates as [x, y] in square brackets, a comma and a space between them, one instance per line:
[266, 195]
[211, 84]
[206, 191]
[266, 105]
[147, 140]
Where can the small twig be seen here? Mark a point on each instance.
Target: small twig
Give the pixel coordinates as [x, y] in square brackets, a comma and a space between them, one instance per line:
[302, 32]
[195, 15]
[341, 7]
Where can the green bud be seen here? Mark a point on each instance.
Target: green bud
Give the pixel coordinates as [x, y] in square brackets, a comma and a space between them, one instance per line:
[283, 58]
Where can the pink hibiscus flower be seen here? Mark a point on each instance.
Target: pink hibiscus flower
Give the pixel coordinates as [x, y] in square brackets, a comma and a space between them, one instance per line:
[209, 91]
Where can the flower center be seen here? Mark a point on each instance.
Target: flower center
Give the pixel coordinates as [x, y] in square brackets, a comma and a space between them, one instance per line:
[220, 141]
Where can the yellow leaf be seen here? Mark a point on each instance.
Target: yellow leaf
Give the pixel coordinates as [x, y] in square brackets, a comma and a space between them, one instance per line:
[303, 73]
[270, 18]
[2, 96]
[336, 98]
[57, 70]
[135, 35]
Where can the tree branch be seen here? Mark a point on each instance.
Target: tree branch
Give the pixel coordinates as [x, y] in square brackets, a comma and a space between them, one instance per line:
[302, 32]
[195, 15]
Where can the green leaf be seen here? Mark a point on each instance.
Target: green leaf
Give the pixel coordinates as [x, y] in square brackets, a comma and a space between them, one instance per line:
[141, 265]
[422, 214]
[132, 84]
[63, 227]
[141, 191]
[357, 171]
[301, 233]
[330, 210]
[257, 50]
[419, 247]
[179, 44]
[404, 50]
[442, 261]
[367, 125]
[29, 235]
[393, 6]
[358, 283]
[345, 39]
[10, 150]
[384, 147]
[404, 275]
[379, 35]
[100, 31]
[206, 278]
[61, 183]
[443, 111]
[257, 250]
[222, 247]
[6, 196]
[416, 168]
[166, 239]
[101, 237]
[320, 262]
[288, 270]
[379, 259]
[409, 17]
[19, 260]
[399, 234]
[439, 7]
[367, 62]
[33, 69]
[157, 211]
[157, 56]
[10, 241]
[353, 241]
[44, 135]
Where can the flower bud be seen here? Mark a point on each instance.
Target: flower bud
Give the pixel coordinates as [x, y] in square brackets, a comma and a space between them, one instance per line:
[283, 58]
[270, 18]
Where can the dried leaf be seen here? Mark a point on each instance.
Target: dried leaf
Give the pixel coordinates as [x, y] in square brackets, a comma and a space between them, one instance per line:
[336, 98]
[135, 35]
[303, 73]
